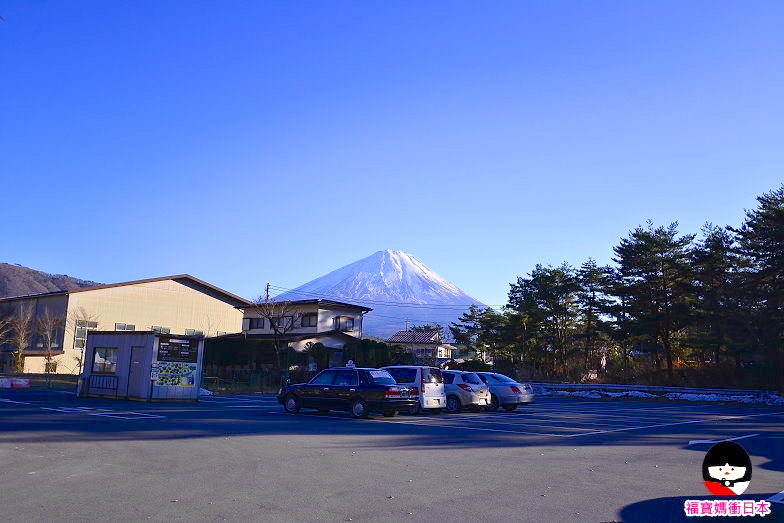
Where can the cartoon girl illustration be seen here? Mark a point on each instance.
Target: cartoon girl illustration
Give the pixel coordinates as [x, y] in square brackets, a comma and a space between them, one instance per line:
[726, 469]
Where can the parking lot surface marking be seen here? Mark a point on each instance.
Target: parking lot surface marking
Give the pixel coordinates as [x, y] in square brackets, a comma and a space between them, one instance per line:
[711, 441]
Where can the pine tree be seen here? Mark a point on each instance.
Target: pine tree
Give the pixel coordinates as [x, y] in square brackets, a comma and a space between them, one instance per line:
[761, 240]
[593, 303]
[655, 281]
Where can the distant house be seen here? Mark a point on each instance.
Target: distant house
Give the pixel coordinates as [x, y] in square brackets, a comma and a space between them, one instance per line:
[334, 324]
[426, 346]
[178, 304]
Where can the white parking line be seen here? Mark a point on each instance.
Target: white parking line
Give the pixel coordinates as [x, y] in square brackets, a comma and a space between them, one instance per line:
[460, 427]
[712, 441]
[532, 422]
[250, 407]
[777, 498]
[127, 415]
[75, 410]
[721, 418]
[4, 400]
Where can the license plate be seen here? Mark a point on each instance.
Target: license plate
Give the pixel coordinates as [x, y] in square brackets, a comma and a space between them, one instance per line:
[437, 402]
[403, 393]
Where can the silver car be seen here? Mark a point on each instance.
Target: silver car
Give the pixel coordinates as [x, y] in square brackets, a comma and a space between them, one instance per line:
[506, 392]
[465, 390]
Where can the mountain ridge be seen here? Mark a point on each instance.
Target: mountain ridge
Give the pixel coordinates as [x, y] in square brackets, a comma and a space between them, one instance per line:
[397, 285]
[17, 280]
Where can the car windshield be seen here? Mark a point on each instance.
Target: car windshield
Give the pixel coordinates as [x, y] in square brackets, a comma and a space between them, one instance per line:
[470, 377]
[403, 375]
[381, 377]
[501, 378]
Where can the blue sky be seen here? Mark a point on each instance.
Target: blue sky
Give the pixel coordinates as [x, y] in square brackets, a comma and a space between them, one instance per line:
[253, 142]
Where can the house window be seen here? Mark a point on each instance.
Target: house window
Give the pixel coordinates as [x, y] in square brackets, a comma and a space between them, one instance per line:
[309, 320]
[193, 332]
[256, 323]
[160, 330]
[105, 360]
[282, 322]
[124, 327]
[343, 323]
[80, 332]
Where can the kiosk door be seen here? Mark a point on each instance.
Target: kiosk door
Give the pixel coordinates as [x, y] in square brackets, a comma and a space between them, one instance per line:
[137, 385]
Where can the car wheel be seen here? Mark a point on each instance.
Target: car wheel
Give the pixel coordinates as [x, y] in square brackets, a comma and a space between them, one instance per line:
[359, 408]
[510, 408]
[494, 404]
[415, 411]
[453, 404]
[291, 405]
[389, 413]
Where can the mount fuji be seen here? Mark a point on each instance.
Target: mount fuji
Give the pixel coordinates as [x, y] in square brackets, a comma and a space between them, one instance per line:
[396, 285]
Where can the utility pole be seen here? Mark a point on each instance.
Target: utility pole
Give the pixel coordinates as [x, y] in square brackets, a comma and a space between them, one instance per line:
[406, 325]
[267, 298]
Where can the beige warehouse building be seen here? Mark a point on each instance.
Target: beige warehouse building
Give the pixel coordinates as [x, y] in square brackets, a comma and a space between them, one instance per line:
[178, 304]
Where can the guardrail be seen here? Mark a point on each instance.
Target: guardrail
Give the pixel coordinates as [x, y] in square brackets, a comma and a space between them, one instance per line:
[649, 388]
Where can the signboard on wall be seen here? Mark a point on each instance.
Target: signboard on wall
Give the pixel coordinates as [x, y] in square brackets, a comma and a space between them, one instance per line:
[176, 364]
[172, 349]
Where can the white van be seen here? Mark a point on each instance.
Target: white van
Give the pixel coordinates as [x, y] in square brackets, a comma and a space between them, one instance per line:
[427, 382]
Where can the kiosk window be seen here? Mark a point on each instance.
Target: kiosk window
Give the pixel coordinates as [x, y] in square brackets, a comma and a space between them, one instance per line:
[105, 360]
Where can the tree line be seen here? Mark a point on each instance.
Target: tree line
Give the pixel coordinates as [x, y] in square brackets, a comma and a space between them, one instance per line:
[672, 308]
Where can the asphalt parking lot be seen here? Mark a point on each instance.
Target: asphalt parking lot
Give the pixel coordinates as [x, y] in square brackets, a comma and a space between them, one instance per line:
[242, 458]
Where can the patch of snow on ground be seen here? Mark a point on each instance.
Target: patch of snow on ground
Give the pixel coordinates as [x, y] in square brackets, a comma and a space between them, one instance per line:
[629, 394]
[768, 399]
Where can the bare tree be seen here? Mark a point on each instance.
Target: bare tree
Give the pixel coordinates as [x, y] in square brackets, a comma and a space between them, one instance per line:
[21, 333]
[78, 319]
[283, 317]
[49, 327]
[5, 330]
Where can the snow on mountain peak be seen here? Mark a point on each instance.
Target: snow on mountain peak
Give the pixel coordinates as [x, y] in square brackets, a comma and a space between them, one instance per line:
[389, 277]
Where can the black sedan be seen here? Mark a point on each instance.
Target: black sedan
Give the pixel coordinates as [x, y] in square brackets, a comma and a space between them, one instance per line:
[358, 391]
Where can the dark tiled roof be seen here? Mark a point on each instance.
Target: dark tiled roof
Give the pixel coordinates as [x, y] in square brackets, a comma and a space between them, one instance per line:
[415, 337]
[323, 304]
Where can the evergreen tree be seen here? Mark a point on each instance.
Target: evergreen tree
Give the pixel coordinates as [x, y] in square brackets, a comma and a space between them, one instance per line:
[655, 278]
[549, 298]
[715, 266]
[761, 240]
[593, 303]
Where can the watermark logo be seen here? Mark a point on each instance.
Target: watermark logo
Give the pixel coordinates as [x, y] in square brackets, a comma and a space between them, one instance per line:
[720, 507]
[726, 469]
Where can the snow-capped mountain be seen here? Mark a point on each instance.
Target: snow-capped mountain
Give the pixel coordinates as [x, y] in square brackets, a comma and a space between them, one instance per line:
[396, 285]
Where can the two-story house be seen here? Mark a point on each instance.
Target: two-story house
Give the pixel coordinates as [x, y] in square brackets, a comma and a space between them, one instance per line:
[427, 347]
[295, 324]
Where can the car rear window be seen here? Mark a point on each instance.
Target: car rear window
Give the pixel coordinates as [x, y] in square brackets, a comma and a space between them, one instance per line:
[433, 375]
[380, 377]
[501, 378]
[470, 377]
[403, 375]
